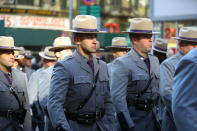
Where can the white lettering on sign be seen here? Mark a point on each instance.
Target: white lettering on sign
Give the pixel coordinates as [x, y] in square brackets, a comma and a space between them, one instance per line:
[35, 22]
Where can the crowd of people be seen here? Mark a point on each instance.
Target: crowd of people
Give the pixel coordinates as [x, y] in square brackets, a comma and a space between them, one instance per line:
[142, 88]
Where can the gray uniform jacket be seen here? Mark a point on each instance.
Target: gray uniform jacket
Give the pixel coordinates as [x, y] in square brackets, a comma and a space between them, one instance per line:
[167, 70]
[44, 86]
[9, 102]
[129, 74]
[71, 82]
[184, 100]
[33, 85]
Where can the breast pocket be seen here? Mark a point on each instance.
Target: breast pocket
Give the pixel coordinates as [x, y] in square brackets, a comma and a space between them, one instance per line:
[4, 96]
[138, 82]
[21, 95]
[103, 84]
[82, 85]
[7, 100]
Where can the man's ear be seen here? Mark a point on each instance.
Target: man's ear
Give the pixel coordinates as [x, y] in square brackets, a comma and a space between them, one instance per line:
[76, 41]
[133, 40]
[58, 54]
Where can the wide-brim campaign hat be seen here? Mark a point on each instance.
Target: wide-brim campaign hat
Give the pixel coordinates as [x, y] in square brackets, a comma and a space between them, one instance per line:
[118, 43]
[62, 43]
[7, 43]
[85, 24]
[160, 45]
[17, 55]
[187, 34]
[47, 54]
[141, 26]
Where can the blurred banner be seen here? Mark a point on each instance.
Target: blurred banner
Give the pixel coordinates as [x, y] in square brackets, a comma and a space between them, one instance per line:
[35, 22]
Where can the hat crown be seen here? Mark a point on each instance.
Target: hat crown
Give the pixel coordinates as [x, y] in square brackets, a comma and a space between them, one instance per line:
[85, 22]
[62, 41]
[17, 55]
[49, 53]
[6, 41]
[141, 24]
[188, 32]
[161, 44]
[119, 42]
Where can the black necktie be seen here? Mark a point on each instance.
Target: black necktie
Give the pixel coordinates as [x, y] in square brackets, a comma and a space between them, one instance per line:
[9, 78]
[91, 64]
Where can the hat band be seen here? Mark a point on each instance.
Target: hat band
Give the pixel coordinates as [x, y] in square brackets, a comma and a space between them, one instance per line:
[5, 47]
[160, 49]
[186, 38]
[86, 30]
[49, 55]
[146, 31]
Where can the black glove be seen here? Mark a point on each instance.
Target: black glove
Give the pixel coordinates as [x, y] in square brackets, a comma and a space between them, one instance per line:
[122, 121]
[59, 128]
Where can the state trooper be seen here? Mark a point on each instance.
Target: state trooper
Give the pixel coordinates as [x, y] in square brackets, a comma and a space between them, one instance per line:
[79, 97]
[25, 64]
[118, 48]
[135, 80]
[160, 49]
[14, 105]
[49, 59]
[186, 42]
[62, 47]
[184, 100]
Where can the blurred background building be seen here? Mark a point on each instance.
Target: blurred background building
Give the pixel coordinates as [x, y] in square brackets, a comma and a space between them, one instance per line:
[36, 23]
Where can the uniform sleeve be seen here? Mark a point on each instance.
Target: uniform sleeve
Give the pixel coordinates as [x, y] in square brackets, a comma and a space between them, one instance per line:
[166, 82]
[109, 107]
[32, 88]
[184, 96]
[57, 96]
[28, 119]
[119, 81]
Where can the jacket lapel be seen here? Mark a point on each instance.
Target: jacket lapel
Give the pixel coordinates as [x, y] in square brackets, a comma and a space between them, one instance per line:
[14, 75]
[82, 61]
[96, 66]
[3, 78]
[152, 65]
[139, 61]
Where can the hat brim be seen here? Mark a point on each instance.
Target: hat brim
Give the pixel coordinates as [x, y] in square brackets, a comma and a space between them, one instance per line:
[178, 38]
[18, 57]
[10, 48]
[152, 33]
[85, 32]
[62, 47]
[46, 57]
[117, 48]
[159, 50]
[100, 50]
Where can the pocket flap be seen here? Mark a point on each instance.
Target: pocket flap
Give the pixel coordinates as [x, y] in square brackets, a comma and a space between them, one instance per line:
[103, 78]
[139, 77]
[82, 79]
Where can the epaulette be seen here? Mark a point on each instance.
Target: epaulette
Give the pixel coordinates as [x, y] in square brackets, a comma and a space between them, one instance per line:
[68, 57]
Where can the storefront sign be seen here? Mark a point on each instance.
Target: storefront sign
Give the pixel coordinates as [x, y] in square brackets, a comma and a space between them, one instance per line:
[35, 22]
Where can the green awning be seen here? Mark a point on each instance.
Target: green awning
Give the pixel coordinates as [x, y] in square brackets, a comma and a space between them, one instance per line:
[32, 37]
[40, 37]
